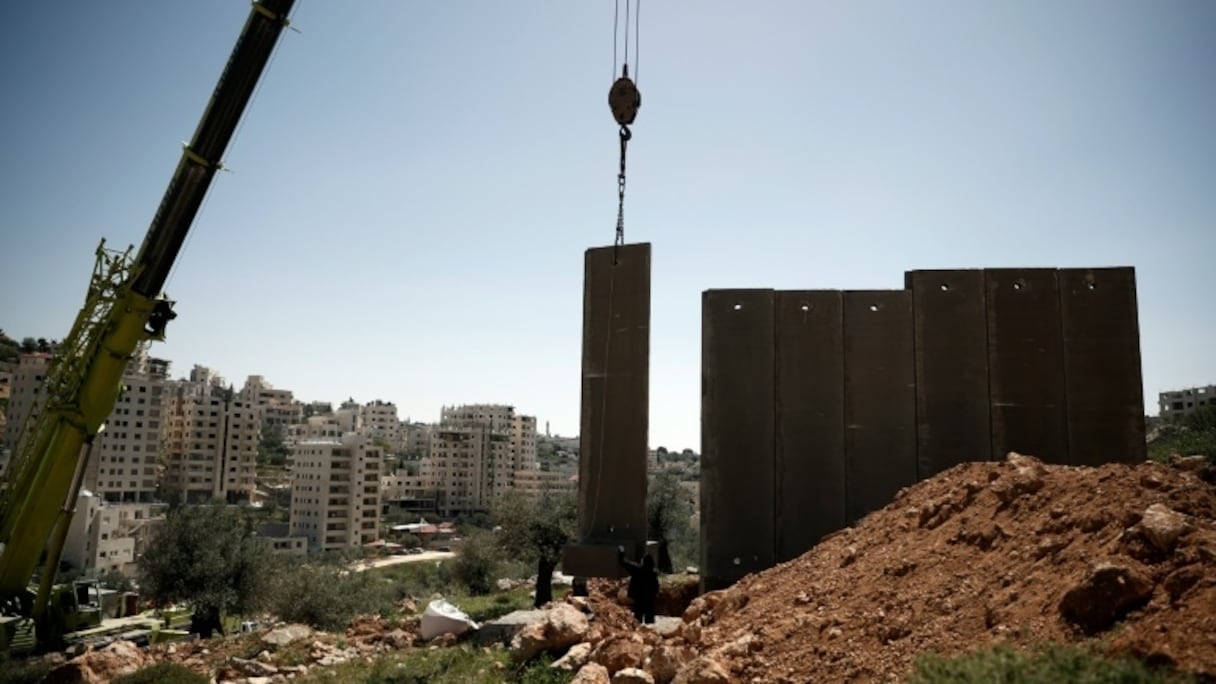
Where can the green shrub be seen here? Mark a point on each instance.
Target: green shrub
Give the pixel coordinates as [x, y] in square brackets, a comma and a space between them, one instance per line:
[1194, 434]
[328, 598]
[1052, 663]
[476, 564]
[163, 673]
[418, 580]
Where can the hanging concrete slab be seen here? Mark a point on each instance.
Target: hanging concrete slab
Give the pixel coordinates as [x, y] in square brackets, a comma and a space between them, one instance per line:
[615, 410]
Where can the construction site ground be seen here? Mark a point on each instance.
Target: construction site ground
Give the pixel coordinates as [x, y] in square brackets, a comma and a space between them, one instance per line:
[1122, 558]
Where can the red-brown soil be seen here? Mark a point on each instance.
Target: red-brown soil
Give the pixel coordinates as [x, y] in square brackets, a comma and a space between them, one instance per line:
[984, 553]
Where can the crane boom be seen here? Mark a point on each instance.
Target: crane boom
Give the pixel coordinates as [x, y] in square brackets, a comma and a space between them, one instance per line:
[123, 309]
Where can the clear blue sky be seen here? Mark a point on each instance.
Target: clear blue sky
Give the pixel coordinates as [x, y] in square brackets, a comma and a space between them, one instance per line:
[415, 183]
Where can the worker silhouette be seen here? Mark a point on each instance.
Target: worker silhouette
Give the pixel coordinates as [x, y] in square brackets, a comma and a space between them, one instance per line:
[643, 586]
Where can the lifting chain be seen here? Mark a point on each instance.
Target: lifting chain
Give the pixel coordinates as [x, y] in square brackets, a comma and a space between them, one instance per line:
[624, 100]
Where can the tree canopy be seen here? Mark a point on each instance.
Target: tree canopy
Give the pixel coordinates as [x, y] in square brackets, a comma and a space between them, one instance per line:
[669, 519]
[206, 556]
[536, 529]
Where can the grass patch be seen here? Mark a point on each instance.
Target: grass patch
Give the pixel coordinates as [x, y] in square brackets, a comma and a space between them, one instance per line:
[423, 580]
[163, 673]
[22, 671]
[491, 606]
[1051, 663]
[417, 579]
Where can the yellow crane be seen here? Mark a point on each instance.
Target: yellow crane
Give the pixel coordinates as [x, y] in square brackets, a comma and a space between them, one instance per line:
[124, 307]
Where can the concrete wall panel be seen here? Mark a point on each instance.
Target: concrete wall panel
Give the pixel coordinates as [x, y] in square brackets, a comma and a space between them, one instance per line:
[737, 528]
[951, 350]
[879, 398]
[1102, 372]
[615, 407]
[809, 415]
[1026, 364]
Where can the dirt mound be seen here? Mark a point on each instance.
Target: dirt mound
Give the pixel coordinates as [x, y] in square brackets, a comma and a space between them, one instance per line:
[1015, 551]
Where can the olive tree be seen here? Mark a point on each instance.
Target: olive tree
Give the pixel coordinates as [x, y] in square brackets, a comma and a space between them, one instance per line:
[536, 529]
[207, 557]
[668, 516]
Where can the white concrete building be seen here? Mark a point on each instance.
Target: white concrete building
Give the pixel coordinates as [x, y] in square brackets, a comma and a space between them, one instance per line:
[335, 492]
[107, 537]
[211, 443]
[474, 453]
[278, 407]
[380, 420]
[125, 465]
[535, 481]
[23, 395]
[405, 491]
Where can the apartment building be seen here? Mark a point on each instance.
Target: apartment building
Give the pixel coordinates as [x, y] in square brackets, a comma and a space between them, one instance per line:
[408, 492]
[327, 426]
[25, 386]
[211, 443]
[278, 407]
[1176, 404]
[379, 419]
[335, 491]
[534, 481]
[474, 453]
[416, 439]
[124, 465]
[276, 538]
[106, 537]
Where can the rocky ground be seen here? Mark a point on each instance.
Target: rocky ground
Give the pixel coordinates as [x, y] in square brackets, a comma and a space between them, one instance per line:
[1017, 552]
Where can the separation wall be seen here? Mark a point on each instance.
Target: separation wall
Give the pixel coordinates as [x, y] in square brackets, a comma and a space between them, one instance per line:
[817, 406]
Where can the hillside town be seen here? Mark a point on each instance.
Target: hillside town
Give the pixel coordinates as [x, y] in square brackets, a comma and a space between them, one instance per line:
[323, 478]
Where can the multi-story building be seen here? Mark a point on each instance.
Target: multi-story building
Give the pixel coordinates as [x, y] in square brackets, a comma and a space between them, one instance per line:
[6, 381]
[23, 398]
[380, 420]
[278, 408]
[408, 492]
[326, 426]
[536, 481]
[211, 444]
[276, 538]
[107, 537]
[474, 453]
[1175, 404]
[125, 465]
[335, 491]
[415, 439]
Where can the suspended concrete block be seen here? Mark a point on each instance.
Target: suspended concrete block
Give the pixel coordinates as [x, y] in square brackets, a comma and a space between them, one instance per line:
[615, 411]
